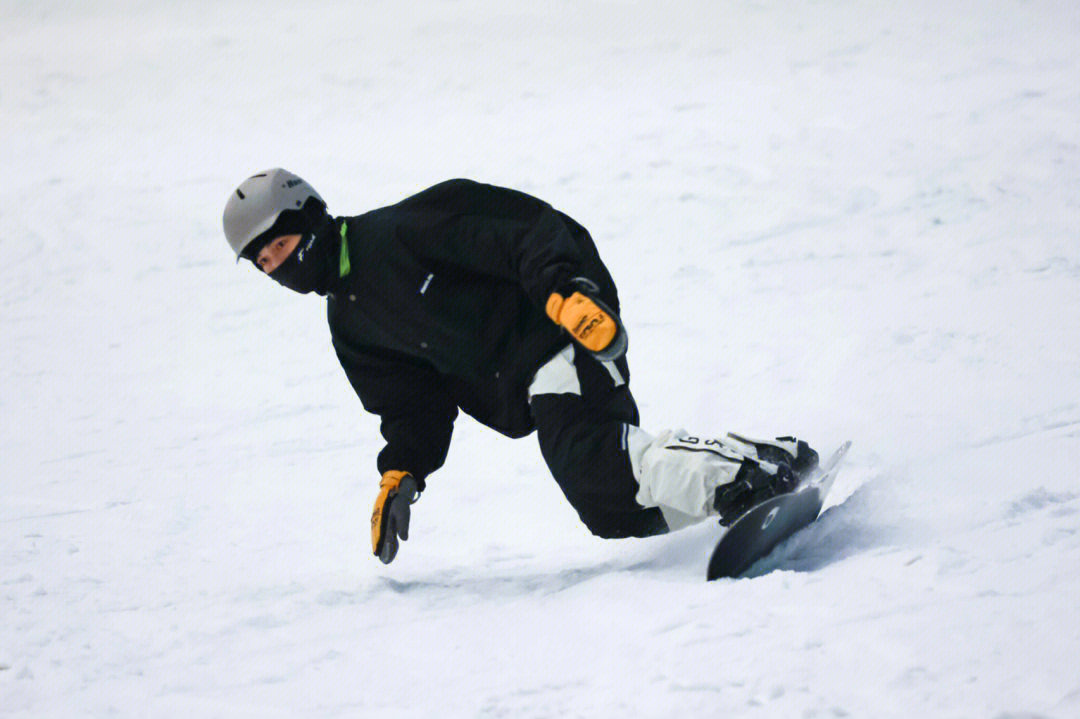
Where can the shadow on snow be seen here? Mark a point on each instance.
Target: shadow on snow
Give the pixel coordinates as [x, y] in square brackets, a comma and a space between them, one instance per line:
[842, 531]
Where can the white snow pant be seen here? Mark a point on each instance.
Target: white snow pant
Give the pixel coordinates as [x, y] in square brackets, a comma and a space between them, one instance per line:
[679, 472]
[621, 480]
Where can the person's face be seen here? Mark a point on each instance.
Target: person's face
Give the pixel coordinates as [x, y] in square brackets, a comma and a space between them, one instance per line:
[275, 252]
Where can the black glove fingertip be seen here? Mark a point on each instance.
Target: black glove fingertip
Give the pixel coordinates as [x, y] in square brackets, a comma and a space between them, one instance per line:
[388, 550]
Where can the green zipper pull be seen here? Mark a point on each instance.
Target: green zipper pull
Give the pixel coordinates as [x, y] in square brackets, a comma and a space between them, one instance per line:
[343, 262]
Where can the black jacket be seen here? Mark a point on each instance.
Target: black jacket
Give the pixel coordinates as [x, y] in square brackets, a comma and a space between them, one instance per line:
[442, 307]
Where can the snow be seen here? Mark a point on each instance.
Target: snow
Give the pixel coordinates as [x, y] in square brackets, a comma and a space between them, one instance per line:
[840, 220]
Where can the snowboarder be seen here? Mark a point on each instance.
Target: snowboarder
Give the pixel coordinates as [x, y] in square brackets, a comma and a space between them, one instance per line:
[487, 300]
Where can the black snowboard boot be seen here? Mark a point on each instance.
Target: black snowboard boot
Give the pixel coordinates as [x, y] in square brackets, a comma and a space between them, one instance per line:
[795, 453]
[754, 483]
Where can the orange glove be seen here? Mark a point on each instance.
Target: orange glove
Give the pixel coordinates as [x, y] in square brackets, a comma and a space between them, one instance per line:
[390, 518]
[588, 320]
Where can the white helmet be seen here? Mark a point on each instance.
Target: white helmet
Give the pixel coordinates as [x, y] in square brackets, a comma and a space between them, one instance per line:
[258, 202]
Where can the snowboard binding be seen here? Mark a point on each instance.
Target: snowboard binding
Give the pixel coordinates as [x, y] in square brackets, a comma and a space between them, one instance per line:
[795, 453]
[754, 483]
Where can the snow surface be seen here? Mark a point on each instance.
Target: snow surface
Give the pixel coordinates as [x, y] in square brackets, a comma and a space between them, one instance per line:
[836, 219]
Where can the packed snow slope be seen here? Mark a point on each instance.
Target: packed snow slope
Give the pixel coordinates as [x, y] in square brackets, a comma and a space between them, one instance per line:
[834, 219]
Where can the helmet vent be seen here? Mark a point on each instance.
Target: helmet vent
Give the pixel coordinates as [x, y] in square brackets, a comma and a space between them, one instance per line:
[239, 194]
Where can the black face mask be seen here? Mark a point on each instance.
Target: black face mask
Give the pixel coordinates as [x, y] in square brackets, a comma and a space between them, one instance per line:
[307, 269]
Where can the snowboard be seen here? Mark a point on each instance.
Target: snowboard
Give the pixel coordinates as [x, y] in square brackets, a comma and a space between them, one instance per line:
[758, 530]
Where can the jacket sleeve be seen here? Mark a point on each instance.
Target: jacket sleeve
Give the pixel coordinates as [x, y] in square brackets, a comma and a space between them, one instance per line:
[417, 413]
[494, 231]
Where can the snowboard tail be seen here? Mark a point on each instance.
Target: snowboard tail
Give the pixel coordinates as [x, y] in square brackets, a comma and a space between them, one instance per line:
[760, 528]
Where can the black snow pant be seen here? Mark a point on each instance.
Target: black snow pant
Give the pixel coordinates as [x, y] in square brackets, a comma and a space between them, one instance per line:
[582, 408]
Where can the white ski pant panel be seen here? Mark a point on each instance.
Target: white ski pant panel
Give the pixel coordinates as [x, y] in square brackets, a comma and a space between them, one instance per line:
[679, 473]
[676, 520]
[559, 375]
[616, 375]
